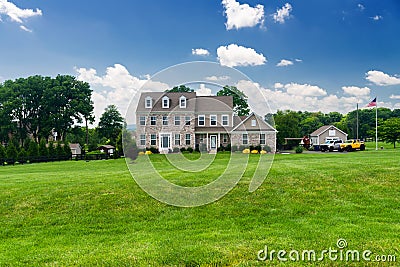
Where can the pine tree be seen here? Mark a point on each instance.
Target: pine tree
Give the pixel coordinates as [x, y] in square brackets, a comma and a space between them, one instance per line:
[2, 154]
[52, 151]
[33, 152]
[59, 151]
[22, 155]
[67, 151]
[43, 151]
[11, 152]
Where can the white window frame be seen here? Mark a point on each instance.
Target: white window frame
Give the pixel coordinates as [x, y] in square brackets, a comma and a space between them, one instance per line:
[177, 120]
[164, 120]
[253, 122]
[142, 120]
[153, 139]
[151, 120]
[213, 118]
[177, 141]
[184, 102]
[265, 140]
[150, 105]
[186, 139]
[247, 139]
[223, 117]
[204, 120]
[142, 138]
[187, 120]
[165, 102]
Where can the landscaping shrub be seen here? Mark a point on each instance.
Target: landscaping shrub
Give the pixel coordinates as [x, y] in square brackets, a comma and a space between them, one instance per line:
[242, 147]
[33, 152]
[246, 151]
[189, 149]
[12, 153]
[258, 148]
[176, 150]
[221, 148]
[153, 150]
[267, 149]
[234, 148]
[182, 149]
[22, 156]
[299, 150]
[228, 147]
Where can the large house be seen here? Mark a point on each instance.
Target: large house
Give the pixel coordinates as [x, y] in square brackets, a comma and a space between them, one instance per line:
[174, 120]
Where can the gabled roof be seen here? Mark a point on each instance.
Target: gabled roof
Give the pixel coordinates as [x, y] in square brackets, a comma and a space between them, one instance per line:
[217, 104]
[106, 146]
[75, 146]
[174, 101]
[261, 125]
[325, 128]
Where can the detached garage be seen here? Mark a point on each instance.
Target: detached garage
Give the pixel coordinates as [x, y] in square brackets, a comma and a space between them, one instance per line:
[325, 133]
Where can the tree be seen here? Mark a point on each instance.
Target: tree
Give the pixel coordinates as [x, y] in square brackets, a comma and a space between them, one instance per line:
[33, 152]
[11, 152]
[43, 151]
[240, 106]
[67, 150]
[111, 123]
[2, 154]
[180, 89]
[288, 125]
[22, 156]
[59, 151]
[52, 150]
[389, 131]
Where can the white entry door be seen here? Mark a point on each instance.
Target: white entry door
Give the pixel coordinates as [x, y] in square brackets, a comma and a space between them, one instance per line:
[213, 142]
[165, 141]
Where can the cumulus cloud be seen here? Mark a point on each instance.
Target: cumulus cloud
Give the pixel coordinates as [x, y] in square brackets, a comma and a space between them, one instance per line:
[242, 15]
[283, 13]
[302, 89]
[377, 17]
[17, 14]
[117, 86]
[217, 78]
[234, 55]
[356, 91]
[22, 27]
[395, 97]
[200, 52]
[203, 90]
[284, 63]
[381, 78]
[361, 7]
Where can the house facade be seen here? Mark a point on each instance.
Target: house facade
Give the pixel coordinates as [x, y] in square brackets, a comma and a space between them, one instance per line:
[174, 120]
[326, 132]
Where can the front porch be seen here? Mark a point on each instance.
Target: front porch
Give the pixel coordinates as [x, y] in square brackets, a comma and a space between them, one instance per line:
[211, 141]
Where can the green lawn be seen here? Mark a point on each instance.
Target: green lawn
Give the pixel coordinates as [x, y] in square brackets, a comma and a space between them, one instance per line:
[94, 213]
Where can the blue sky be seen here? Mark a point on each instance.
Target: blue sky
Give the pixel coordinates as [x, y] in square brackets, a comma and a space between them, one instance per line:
[304, 55]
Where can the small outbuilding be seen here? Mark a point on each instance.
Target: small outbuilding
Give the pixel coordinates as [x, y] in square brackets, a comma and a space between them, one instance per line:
[325, 133]
[76, 149]
[108, 149]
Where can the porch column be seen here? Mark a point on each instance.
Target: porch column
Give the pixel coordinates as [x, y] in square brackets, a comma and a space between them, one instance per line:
[219, 140]
[207, 141]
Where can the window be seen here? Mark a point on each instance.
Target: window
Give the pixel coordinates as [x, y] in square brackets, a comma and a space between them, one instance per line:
[148, 102]
[142, 139]
[187, 139]
[177, 139]
[213, 120]
[182, 102]
[332, 132]
[245, 139]
[262, 139]
[202, 119]
[153, 120]
[225, 120]
[142, 120]
[187, 120]
[153, 140]
[165, 102]
[177, 120]
[165, 120]
[253, 123]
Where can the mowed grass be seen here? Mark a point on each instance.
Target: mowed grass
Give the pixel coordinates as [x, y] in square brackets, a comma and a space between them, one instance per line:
[93, 213]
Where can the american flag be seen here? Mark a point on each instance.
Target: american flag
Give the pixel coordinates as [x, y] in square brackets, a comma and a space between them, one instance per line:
[372, 103]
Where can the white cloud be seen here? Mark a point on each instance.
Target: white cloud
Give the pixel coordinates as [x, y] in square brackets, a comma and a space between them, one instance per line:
[381, 78]
[200, 52]
[217, 78]
[22, 27]
[377, 17]
[17, 14]
[120, 87]
[298, 60]
[395, 97]
[361, 7]
[278, 86]
[203, 90]
[282, 14]
[242, 15]
[284, 63]
[234, 55]
[356, 91]
[304, 89]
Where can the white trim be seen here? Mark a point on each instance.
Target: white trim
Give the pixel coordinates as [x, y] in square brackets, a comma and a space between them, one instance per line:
[145, 102]
[180, 101]
[328, 128]
[198, 120]
[216, 120]
[160, 144]
[140, 120]
[163, 102]
[177, 120]
[227, 119]
[260, 118]
[216, 141]
[166, 121]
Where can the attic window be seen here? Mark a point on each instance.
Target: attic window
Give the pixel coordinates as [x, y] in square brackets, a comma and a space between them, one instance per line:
[148, 102]
[253, 123]
[182, 102]
[165, 102]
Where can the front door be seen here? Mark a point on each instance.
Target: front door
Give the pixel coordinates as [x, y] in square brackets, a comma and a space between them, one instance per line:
[165, 141]
[213, 142]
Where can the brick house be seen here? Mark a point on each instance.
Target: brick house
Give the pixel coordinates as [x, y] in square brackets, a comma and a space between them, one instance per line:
[169, 120]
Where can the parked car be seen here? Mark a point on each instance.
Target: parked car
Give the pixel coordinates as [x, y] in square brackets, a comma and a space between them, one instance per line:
[352, 145]
[331, 145]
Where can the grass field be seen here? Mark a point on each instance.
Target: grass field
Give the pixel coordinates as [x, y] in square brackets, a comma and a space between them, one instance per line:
[93, 213]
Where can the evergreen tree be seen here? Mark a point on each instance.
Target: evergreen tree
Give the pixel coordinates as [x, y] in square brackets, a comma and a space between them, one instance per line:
[11, 152]
[2, 154]
[22, 156]
[67, 151]
[59, 151]
[52, 150]
[33, 152]
[43, 151]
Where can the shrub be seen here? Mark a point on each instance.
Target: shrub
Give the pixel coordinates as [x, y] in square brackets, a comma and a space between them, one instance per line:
[67, 151]
[221, 148]
[258, 148]
[234, 148]
[2, 152]
[11, 152]
[299, 150]
[242, 147]
[246, 151]
[33, 152]
[182, 149]
[22, 156]
[43, 151]
[228, 147]
[52, 150]
[148, 152]
[153, 150]
[141, 153]
[203, 147]
[189, 149]
[254, 151]
[263, 152]
[176, 150]
[267, 149]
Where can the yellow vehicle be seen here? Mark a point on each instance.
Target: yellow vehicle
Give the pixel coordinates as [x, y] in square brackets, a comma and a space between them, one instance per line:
[352, 145]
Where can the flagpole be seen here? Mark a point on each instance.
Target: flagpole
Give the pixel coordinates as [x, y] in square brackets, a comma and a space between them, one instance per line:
[376, 125]
[357, 121]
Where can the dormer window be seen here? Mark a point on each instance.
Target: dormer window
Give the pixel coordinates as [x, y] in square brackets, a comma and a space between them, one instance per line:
[182, 102]
[148, 102]
[165, 102]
